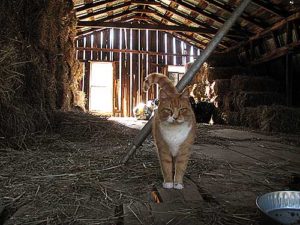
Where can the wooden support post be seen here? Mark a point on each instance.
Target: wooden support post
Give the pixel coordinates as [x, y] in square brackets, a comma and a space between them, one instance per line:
[289, 33]
[297, 31]
[289, 78]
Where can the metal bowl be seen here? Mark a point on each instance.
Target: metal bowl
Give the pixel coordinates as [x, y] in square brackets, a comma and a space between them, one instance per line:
[281, 206]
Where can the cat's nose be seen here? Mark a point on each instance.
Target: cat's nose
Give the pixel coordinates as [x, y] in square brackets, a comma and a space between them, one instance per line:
[175, 117]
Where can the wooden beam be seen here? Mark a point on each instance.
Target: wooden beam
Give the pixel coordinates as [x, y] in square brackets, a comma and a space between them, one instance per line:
[276, 53]
[230, 34]
[146, 11]
[93, 5]
[183, 37]
[125, 13]
[97, 24]
[266, 5]
[211, 16]
[289, 78]
[136, 18]
[107, 10]
[142, 2]
[187, 36]
[129, 51]
[245, 16]
[273, 28]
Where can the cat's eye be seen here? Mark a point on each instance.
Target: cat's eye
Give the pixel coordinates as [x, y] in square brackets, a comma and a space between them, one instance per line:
[167, 110]
[183, 109]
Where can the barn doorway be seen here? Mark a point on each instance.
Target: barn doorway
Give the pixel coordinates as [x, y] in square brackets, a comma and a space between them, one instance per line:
[101, 88]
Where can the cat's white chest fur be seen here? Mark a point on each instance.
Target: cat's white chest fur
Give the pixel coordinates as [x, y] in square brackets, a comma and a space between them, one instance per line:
[175, 135]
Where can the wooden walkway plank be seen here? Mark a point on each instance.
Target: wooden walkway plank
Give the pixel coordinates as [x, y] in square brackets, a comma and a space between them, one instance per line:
[188, 193]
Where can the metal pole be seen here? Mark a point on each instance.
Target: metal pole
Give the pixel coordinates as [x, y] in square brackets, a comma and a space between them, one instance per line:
[189, 75]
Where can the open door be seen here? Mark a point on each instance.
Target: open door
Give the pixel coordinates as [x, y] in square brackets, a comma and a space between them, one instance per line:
[101, 87]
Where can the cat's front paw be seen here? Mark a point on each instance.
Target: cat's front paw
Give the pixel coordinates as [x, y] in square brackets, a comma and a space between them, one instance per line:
[168, 185]
[178, 186]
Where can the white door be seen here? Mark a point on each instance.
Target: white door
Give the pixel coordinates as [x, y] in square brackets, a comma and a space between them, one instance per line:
[101, 87]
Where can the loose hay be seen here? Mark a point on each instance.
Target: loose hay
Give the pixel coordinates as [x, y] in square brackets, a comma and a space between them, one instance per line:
[73, 175]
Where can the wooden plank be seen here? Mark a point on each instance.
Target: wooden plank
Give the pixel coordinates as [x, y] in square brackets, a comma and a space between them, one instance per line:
[106, 10]
[88, 53]
[91, 6]
[163, 213]
[189, 193]
[96, 44]
[116, 44]
[182, 28]
[142, 2]
[80, 52]
[245, 16]
[87, 84]
[170, 49]
[161, 58]
[275, 27]
[178, 52]
[190, 19]
[177, 213]
[272, 8]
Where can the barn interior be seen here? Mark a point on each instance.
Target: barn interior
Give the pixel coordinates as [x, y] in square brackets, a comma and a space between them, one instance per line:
[71, 77]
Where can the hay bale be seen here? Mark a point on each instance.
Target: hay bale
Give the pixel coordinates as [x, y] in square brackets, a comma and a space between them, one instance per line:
[228, 101]
[252, 99]
[37, 64]
[231, 118]
[224, 59]
[250, 117]
[214, 73]
[280, 118]
[251, 83]
[220, 87]
[276, 118]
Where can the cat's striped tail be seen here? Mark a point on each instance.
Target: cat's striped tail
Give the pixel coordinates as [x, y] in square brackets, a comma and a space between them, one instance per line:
[163, 81]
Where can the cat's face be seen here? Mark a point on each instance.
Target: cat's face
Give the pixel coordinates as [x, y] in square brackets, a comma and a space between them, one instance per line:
[174, 108]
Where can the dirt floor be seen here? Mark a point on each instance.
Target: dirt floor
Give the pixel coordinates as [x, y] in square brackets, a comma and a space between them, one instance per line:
[72, 174]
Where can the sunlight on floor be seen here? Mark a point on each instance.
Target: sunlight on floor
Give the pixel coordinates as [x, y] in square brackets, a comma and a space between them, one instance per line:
[130, 122]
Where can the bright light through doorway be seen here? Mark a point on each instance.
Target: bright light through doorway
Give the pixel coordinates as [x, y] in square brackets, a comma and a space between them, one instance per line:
[101, 87]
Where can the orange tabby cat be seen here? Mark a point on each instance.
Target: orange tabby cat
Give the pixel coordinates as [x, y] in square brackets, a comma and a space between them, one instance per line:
[173, 130]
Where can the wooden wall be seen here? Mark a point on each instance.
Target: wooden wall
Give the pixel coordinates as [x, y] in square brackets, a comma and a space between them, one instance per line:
[135, 54]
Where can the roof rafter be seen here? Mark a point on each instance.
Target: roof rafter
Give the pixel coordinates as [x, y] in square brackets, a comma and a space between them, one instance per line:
[270, 8]
[191, 19]
[99, 24]
[186, 38]
[186, 35]
[213, 17]
[104, 3]
[225, 7]
[107, 10]
[125, 13]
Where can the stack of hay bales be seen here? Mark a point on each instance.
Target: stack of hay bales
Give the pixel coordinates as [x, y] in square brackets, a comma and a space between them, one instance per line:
[244, 99]
[38, 69]
[256, 102]
[251, 91]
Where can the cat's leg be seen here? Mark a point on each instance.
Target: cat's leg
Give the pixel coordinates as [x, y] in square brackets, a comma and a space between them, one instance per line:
[165, 159]
[180, 168]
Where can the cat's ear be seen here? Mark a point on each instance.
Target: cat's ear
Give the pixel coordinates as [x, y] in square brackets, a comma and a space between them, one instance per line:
[163, 94]
[185, 94]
